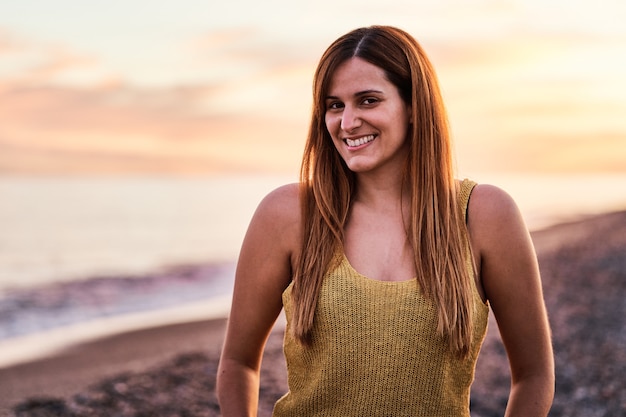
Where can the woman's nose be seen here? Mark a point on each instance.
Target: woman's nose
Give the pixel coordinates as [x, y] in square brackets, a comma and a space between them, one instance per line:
[350, 119]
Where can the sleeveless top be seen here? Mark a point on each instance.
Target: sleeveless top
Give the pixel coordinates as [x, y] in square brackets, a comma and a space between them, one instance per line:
[376, 351]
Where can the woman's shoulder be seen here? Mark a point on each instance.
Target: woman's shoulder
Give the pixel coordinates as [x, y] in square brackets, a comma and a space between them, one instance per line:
[275, 226]
[280, 207]
[491, 202]
[493, 216]
[282, 200]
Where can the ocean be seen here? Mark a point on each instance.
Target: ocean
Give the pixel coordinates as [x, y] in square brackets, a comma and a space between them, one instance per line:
[87, 233]
[58, 229]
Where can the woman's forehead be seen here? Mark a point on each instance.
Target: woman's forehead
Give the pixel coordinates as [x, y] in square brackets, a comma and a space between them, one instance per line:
[356, 74]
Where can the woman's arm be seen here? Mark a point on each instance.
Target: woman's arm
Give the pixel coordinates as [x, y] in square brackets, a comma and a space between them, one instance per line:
[263, 273]
[510, 278]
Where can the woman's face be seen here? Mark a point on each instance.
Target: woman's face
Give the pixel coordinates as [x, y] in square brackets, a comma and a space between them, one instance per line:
[366, 117]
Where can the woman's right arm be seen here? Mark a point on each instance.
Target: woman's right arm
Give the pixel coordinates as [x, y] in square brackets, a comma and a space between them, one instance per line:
[263, 272]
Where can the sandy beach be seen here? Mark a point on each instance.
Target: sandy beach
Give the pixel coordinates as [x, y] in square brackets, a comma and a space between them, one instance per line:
[170, 370]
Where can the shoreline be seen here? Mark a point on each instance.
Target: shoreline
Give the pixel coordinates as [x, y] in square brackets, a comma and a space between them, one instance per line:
[63, 313]
[39, 345]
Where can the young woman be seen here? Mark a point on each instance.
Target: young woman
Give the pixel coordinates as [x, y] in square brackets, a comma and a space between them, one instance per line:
[386, 265]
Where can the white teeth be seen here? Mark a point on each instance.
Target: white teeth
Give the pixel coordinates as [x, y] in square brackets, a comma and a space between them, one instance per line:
[360, 141]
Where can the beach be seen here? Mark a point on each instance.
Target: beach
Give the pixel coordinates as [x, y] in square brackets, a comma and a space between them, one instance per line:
[169, 370]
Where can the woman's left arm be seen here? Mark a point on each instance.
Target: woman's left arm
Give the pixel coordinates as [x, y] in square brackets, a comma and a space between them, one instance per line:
[510, 279]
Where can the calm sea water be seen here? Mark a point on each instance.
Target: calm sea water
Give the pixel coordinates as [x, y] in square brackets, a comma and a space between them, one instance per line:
[54, 229]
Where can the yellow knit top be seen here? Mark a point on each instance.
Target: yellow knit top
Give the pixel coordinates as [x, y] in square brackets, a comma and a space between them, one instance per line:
[376, 351]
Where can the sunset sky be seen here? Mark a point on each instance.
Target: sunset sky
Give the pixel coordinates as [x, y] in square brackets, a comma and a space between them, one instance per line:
[136, 86]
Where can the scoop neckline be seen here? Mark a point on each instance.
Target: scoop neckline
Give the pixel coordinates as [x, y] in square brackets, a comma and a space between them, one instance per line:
[353, 269]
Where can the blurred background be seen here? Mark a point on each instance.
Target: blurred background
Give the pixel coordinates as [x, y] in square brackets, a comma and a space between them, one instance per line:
[140, 135]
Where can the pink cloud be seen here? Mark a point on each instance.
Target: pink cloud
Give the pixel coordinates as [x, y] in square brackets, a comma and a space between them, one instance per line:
[148, 127]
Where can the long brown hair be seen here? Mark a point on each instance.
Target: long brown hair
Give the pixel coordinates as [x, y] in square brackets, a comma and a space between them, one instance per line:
[436, 229]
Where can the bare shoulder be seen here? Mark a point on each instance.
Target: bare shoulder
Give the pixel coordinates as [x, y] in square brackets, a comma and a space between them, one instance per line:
[283, 196]
[282, 205]
[494, 217]
[278, 215]
[489, 203]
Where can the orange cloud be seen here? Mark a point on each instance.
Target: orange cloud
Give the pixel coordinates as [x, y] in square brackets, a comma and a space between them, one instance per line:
[142, 128]
[539, 102]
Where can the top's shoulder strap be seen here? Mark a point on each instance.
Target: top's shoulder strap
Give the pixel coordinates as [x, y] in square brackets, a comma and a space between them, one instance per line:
[464, 195]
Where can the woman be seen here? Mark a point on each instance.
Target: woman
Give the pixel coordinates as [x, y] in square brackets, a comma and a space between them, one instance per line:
[377, 195]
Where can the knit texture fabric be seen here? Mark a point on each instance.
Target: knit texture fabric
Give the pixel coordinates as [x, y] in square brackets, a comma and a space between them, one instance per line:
[376, 351]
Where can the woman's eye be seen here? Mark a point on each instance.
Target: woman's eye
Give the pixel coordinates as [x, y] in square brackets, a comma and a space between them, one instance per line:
[334, 105]
[369, 100]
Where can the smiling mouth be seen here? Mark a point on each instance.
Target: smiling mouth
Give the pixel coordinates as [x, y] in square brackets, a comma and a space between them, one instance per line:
[360, 141]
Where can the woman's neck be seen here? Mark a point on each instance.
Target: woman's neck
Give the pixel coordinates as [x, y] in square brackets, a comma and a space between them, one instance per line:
[383, 192]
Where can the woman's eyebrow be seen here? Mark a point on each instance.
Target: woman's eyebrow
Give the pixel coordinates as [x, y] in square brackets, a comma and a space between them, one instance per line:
[357, 94]
[366, 92]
